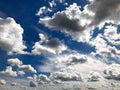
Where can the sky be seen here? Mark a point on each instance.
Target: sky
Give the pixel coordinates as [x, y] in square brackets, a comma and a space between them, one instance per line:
[63, 39]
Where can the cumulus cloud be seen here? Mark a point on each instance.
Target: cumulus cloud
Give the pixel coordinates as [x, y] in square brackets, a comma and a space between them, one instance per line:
[41, 79]
[80, 24]
[70, 22]
[106, 43]
[11, 39]
[75, 64]
[76, 60]
[27, 68]
[15, 62]
[53, 46]
[112, 35]
[9, 72]
[94, 76]
[112, 72]
[65, 76]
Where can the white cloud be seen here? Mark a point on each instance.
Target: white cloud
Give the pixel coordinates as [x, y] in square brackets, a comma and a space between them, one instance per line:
[43, 10]
[41, 79]
[65, 76]
[14, 62]
[2, 82]
[11, 38]
[80, 24]
[53, 46]
[112, 72]
[21, 73]
[76, 23]
[73, 63]
[94, 76]
[27, 68]
[112, 35]
[9, 72]
[106, 43]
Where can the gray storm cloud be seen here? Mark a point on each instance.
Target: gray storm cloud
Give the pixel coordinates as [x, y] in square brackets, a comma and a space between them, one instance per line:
[54, 43]
[104, 10]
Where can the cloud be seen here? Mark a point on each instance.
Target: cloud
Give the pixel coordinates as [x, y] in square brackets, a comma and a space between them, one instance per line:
[41, 79]
[21, 73]
[76, 60]
[46, 45]
[2, 82]
[75, 22]
[73, 63]
[9, 72]
[65, 76]
[15, 62]
[105, 10]
[11, 39]
[43, 10]
[27, 68]
[94, 76]
[112, 72]
[106, 44]
[112, 35]
[79, 24]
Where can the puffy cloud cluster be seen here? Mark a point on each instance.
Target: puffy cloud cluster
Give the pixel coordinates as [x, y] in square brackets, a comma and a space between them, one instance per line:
[11, 39]
[20, 70]
[45, 45]
[79, 24]
[94, 76]
[73, 24]
[9, 72]
[106, 43]
[74, 65]
[15, 62]
[39, 79]
[27, 68]
[65, 76]
[112, 72]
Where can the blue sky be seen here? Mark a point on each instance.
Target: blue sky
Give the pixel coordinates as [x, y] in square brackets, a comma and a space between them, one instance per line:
[40, 33]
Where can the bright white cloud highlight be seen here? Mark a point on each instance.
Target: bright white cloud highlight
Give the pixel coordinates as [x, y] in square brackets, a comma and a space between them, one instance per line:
[11, 38]
[15, 62]
[27, 68]
[8, 71]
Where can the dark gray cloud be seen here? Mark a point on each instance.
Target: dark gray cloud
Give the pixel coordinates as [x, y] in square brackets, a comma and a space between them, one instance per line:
[54, 43]
[103, 9]
[61, 21]
[74, 60]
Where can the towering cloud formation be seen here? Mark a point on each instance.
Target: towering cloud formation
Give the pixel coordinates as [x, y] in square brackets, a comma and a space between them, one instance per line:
[11, 38]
